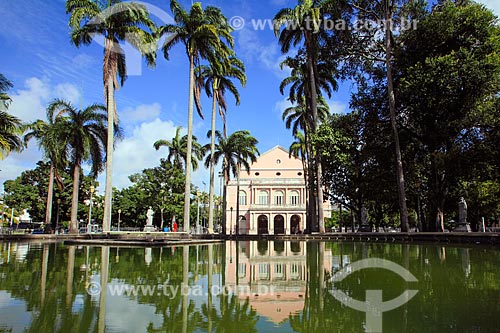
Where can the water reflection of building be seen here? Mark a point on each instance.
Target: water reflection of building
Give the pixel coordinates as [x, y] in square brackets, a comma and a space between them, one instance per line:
[273, 275]
[272, 196]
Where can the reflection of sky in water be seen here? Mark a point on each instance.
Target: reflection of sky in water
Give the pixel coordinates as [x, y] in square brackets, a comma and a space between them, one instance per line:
[126, 315]
[13, 314]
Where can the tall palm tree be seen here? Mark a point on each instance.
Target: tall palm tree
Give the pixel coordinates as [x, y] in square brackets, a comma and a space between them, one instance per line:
[177, 149]
[84, 133]
[48, 137]
[217, 78]
[297, 118]
[116, 21]
[299, 81]
[236, 151]
[205, 33]
[11, 127]
[301, 116]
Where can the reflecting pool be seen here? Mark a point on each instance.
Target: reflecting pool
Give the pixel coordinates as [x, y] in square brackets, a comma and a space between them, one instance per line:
[275, 286]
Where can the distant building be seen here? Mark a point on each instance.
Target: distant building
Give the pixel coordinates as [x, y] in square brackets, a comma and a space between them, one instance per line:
[272, 196]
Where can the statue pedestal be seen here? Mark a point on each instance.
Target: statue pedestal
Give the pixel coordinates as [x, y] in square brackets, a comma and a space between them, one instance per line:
[149, 228]
[463, 227]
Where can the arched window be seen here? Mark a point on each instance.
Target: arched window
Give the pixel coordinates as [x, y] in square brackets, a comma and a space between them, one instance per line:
[278, 198]
[263, 198]
[294, 199]
[243, 198]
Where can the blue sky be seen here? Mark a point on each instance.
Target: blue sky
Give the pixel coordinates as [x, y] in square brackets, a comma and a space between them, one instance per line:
[38, 58]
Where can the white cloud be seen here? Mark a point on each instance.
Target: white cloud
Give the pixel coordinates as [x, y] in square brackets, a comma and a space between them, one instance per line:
[141, 113]
[337, 107]
[136, 153]
[68, 92]
[30, 102]
[282, 105]
[269, 56]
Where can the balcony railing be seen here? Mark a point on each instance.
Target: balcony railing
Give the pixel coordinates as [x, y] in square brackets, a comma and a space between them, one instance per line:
[269, 182]
[277, 207]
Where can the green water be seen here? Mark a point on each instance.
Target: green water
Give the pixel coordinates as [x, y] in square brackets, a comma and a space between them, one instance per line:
[269, 287]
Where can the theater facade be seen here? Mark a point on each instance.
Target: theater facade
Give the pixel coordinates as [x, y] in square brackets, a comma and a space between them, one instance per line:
[272, 196]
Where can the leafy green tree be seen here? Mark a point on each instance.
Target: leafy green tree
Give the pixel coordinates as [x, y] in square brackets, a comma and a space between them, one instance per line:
[205, 33]
[84, 135]
[344, 160]
[116, 21]
[448, 84]
[374, 46]
[161, 187]
[28, 190]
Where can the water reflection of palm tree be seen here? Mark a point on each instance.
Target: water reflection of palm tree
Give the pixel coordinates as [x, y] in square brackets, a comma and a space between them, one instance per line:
[43, 279]
[312, 318]
[70, 269]
[101, 324]
[234, 316]
[180, 314]
[55, 312]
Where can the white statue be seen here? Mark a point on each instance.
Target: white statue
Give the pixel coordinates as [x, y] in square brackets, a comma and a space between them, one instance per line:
[150, 214]
[462, 211]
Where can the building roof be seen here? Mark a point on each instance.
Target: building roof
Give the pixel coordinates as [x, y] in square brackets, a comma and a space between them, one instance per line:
[276, 158]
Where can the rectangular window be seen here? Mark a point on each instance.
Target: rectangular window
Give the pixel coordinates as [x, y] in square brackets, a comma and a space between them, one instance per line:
[263, 198]
[243, 198]
[263, 271]
[279, 271]
[242, 270]
[278, 199]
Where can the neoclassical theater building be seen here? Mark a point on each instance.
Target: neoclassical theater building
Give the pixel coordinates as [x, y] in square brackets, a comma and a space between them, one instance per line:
[272, 196]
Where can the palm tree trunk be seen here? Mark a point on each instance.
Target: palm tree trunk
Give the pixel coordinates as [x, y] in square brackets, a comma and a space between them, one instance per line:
[209, 282]
[70, 271]
[73, 229]
[110, 105]
[189, 148]
[314, 109]
[311, 206]
[238, 203]
[212, 166]
[50, 196]
[185, 281]
[224, 199]
[101, 321]
[392, 109]
[43, 279]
